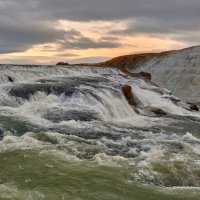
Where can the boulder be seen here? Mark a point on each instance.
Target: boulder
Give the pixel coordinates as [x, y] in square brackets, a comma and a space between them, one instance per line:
[127, 91]
[131, 97]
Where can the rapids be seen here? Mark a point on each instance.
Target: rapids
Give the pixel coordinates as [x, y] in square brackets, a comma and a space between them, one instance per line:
[69, 133]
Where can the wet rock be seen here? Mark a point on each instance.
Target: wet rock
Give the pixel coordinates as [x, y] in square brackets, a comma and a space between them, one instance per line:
[57, 86]
[131, 97]
[10, 79]
[193, 107]
[188, 106]
[160, 90]
[145, 75]
[174, 99]
[77, 115]
[127, 91]
[154, 111]
[26, 90]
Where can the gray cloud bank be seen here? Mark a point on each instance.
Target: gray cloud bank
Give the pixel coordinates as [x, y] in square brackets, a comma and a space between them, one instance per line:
[24, 23]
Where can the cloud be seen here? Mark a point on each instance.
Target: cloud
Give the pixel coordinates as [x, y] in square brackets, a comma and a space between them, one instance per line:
[21, 35]
[76, 40]
[152, 26]
[102, 10]
[25, 23]
[38, 60]
[190, 37]
[93, 59]
[66, 55]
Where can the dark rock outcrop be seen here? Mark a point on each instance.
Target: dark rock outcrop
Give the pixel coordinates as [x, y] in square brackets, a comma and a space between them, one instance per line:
[10, 79]
[174, 99]
[153, 110]
[62, 63]
[66, 86]
[26, 90]
[59, 115]
[137, 105]
[144, 75]
[193, 107]
[130, 97]
[127, 91]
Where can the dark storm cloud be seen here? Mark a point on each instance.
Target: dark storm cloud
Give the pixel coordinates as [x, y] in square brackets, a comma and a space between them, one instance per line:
[24, 23]
[81, 10]
[86, 43]
[20, 36]
[156, 26]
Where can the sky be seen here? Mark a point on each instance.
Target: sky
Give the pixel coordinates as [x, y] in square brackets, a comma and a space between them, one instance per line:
[76, 31]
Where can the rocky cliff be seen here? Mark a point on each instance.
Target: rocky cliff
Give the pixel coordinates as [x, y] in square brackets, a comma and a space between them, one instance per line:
[177, 70]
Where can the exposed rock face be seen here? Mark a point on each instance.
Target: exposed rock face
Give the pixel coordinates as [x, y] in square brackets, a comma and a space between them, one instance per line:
[178, 71]
[144, 75]
[132, 61]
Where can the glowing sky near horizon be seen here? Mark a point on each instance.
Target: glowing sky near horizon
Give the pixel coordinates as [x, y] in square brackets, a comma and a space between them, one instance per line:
[47, 31]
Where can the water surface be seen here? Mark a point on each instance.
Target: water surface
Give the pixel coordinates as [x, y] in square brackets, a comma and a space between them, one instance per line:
[69, 133]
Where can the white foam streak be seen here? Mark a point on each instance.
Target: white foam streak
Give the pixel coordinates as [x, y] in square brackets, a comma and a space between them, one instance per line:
[153, 99]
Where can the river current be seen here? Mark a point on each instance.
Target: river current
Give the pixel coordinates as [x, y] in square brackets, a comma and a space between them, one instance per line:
[69, 133]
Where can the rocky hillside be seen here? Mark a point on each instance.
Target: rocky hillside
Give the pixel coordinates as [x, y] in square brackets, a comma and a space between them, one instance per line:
[177, 70]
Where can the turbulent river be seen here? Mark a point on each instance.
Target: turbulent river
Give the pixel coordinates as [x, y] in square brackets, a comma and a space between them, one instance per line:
[69, 133]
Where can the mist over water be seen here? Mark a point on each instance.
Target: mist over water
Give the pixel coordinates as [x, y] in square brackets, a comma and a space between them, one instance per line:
[69, 133]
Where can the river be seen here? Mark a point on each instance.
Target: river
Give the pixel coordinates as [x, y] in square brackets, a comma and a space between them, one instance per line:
[69, 133]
